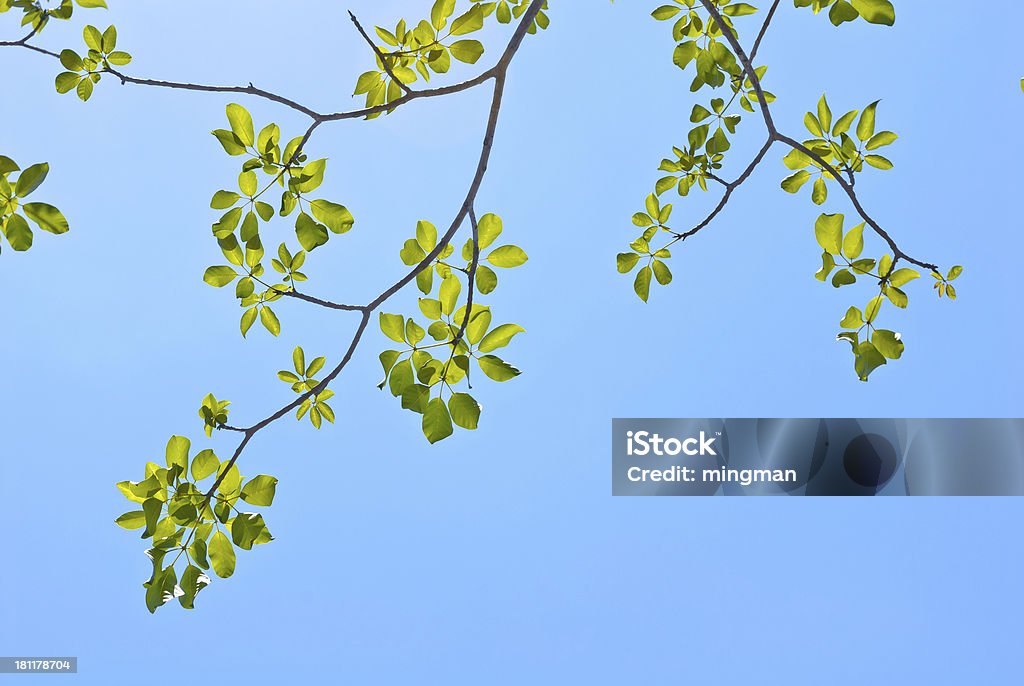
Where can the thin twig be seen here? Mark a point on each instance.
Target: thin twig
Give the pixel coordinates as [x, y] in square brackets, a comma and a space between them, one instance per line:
[380, 55]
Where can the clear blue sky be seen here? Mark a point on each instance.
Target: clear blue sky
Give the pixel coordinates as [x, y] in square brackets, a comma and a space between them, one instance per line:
[500, 557]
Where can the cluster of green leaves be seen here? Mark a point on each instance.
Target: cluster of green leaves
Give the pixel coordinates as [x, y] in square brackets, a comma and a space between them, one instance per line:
[832, 151]
[843, 260]
[413, 373]
[200, 532]
[414, 51]
[214, 413]
[84, 72]
[37, 13]
[842, 11]
[13, 190]
[653, 221]
[238, 229]
[303, 381]
[701, 43]
[833, 144]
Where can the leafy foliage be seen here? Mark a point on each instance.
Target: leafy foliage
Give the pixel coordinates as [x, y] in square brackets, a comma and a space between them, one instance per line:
[197, 520]
[411, 52]
[17, 184]
[436, 357]
[238, 231]
[838, 149]
[85, 71]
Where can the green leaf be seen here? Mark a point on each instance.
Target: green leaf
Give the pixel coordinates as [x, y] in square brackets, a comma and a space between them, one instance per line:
[876, 12]
[497, 369]
[853, 244]
[47, 217]
[437, 422]
[844, 123]
[739, 9]
[18, 233]
[625, 261]
[440, 12]
[824, 115]
[426, 236]
[230, 142]
[665, 12]
[119, 58]
[471, 21]
[152, 508]
[66, 81]
[71, 60]
[222, 200]
[499, 337]
[842, 12]
[468, 51]
[796, 159]
[878, 162]
[260, 490]
[507, 257]
[486, 279]
[819, 194]
[866, 126]
[871, 311]
[642, 283]
[867, 360]
[465, 411]
[311, 234]
[335, 217]
[218, 277]
[135, 519]
[177, 453]
[902, 277]
[897, 297]
[270, 321]
[854, 319]
[31, 179]
[312, 176]
[889, 343]
[828, 231]
[393, 326]
[488, 229]
[84, 90]
[881, 139]
[954, 273]
[248, 319]
[828, 264]
[662, 272]
[222, 555]
[449, 294]
[204, 464]
[793, 183]
[241, 124]
[843, 277]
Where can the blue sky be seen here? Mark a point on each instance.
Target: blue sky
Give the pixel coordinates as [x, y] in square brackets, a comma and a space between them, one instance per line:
[500, 557]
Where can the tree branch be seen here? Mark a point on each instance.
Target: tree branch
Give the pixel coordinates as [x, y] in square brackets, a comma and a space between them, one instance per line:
[498, 73]
[472, 281]
[775, 135]
[729, 188]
